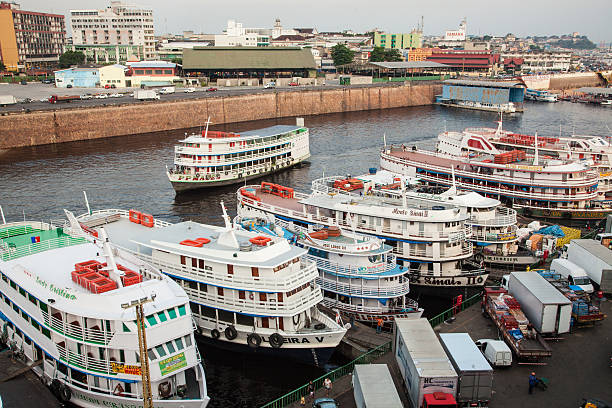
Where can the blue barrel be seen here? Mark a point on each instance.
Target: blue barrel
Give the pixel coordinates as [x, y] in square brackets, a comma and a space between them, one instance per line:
[372, 170]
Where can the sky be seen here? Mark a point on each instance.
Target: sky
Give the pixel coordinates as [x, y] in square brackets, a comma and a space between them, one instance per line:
[494, 17]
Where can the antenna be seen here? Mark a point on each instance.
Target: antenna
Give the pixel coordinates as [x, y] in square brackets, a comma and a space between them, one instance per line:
[384, 139]
[226, 218]
[536, 156]
[2, 213]
[87, 203]
[208, 122]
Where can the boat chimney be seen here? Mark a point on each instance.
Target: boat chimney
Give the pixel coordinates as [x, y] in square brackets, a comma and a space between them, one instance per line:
[113, 272]
[536, 157]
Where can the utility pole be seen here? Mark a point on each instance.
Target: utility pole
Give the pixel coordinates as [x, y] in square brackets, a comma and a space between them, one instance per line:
[147, 397]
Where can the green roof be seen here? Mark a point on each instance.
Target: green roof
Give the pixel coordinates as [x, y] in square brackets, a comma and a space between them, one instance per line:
[228, 58]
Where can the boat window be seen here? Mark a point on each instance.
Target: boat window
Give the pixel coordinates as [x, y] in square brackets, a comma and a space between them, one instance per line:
[181, 310]
[125, 328]
[179, 344]
[32, 298]
[162, 316]
[172, 313]
[195, 308]
[151, 319]
[160, 350]
[152, 355]
[22, 292]
[188, 340]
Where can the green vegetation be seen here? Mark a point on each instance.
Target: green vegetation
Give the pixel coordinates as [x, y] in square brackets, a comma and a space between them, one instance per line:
[578, 43]
[380, 54]
[2, 66]
[342, 55]
[178, 61]
[70, 58]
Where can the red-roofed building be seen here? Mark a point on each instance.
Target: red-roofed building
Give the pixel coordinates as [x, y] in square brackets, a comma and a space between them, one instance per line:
[461, 60]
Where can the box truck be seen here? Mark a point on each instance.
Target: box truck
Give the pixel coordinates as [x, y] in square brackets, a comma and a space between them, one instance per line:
[474, 371]
[547, 310]
[7, 100]
[428, 375]
[595, 259]
[373, 387]
[145, 94]
[575, 275]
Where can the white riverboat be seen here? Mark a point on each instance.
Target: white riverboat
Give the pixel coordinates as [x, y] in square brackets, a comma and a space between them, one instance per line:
[358, 274]
[535, 185]
[247, 292]
[540, 95]
[508, 107]
[430, 240]
[212, 159]
[65, 310]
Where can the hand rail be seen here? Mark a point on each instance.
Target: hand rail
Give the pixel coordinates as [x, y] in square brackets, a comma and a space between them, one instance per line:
[77, 332]
[216, 161]
[7, 254]
[403, 288]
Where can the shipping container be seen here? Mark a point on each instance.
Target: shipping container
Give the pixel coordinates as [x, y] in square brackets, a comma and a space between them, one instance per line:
[373, 387]
[595, 259]
[475, 372]
[423, 363]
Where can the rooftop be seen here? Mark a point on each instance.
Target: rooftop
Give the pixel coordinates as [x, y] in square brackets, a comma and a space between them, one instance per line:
[232, 58]
[485, 84]
[409, 64]
[595, 248]
[250, 134]
[540, 287]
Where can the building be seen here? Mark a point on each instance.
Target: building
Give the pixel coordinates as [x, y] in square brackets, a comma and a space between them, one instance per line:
[114, 34]
[484, 92]
[87, 77]
[29, 39]
[151, 73]
[398, 41]
[171, 51]
[455, 38]
[248, 62]
[418, 54]
[542, 61]
[467, 61]
[235, 35]
[113, 75]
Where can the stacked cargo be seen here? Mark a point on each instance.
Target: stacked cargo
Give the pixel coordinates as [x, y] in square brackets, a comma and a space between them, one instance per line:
[510, 157]
[93, 276]
[570, 233]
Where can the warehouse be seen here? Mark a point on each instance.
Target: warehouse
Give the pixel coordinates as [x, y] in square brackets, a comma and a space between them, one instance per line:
[398, 71]
[485, 92]
[77, 77]
[249, 62]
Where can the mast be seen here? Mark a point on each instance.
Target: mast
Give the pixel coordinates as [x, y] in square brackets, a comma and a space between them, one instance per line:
[208, 122]
[113, 272]
[536, 156]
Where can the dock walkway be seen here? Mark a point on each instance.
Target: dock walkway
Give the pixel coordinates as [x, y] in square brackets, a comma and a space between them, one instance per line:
[25, 389]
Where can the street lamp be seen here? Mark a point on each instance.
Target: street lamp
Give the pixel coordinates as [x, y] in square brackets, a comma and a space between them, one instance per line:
[147, 397]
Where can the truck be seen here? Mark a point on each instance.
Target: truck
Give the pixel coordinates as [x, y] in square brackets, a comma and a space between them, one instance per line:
[7, 100]
[548, 310]
[373, 387]
[584, 308]
[505, 311]
[474, 371]
[575, 275]
[595, 259]
[145, 94]
[167, 90]
[428, 375]
[63, 98]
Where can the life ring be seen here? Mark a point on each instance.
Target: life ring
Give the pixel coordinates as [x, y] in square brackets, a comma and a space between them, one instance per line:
[64, 393]
[254, 340]
[230, 332]
[260, 240]
[215, 334]
[251, 296]
[296, 321]
[55, 387]
[276, 340]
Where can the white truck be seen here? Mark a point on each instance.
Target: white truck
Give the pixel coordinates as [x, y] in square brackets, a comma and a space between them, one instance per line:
[429, 377]
[145, 95]
[167, 90]
[475, 373]
[575, 275]
[496, 352]
[373, 387]
[595, 259]
[7, 100]
[546, 308]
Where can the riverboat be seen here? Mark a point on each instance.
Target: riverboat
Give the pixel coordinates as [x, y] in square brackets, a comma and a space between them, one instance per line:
[213, 159]
[483, 106]
[429, 239]
[540, 95]
[535, 186]
[66, 310]
[358, 274]
[248, 292]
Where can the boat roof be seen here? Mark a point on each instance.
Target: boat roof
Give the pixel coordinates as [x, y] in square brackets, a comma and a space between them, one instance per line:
[464, 352]
[250, 134]
[47, 276]
[136, 237]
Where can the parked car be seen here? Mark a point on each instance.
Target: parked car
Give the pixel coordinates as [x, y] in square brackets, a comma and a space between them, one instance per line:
[101, 96]
[189, 90]
[495, 351]
[270, 85]
[69, 86]
[293, 84]
[113, 86]
[115, 95]
[23, 82]
[43, 100]
[324, 403]
[26, 100]
[47, 81]
[87, 96]
[107, 86]
[211, 89]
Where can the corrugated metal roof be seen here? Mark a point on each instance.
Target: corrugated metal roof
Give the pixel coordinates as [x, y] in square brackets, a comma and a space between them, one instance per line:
[464, 352]
[226, 58]
[540, 287]
[595, 248]
[487, 84]
[151, 64]
[595, 91]
[409, 64]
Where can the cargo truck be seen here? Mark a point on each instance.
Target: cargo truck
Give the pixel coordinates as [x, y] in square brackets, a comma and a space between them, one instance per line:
[584, 310]
[595, 259]
[505, 311]
[547, 310]
[373, 387]
[64, 98]
[145, 95]
[575, 275]
[474, 371]
[7, 100]
[428, 375]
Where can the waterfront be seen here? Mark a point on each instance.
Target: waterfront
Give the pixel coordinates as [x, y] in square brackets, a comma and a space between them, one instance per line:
[128, 172]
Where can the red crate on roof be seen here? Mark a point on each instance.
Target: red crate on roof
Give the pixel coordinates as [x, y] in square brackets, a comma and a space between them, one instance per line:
[94, 265]
[102, 285]
[131, 278]
[78, 275]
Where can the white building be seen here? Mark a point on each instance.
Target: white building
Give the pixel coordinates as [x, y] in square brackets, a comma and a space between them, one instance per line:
[542, 61]
[235, 35]
[457, 35]
[119, 25]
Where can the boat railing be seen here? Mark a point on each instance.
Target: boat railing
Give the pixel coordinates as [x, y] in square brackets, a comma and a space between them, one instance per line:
[230, 160]
[249, 170]
[368, 309]
[76, 331]
[465, 250]
[90, 363]
[492, 237]
[462, 169]
[8, 253]
[353, 271]
[503, 216]
[204, 149]
[399, 289]
[123, 213]
[289, 306]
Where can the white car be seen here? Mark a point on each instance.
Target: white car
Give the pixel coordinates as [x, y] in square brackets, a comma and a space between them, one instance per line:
[189, 90]
[270, 85]
[44, 100]
[116, 95]
[87, 96]
[101, 96]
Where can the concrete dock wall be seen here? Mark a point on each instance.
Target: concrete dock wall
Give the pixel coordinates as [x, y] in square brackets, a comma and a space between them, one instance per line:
[67, 125]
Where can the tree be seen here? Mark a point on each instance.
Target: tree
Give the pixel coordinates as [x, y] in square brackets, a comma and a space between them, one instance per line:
[70, 58]
[2, 66]
[487, 38]
[341, 55]
[392, 55]
[380, 54]
[178, 61]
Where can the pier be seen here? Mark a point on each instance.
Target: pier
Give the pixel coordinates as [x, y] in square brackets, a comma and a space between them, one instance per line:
[20, 387]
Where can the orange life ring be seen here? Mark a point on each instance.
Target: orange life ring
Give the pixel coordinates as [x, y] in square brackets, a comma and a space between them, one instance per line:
[260, 240]
[147, 220]
[135, 216]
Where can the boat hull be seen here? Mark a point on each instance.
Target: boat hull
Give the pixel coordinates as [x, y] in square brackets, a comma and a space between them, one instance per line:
[563, 214]
[190, 185]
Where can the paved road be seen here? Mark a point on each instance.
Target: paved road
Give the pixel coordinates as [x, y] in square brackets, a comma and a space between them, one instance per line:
[38, 91]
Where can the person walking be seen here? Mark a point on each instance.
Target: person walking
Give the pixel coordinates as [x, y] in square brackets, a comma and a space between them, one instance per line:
[311, 390]
[379, 325]
[328, 386]
[533, 380]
